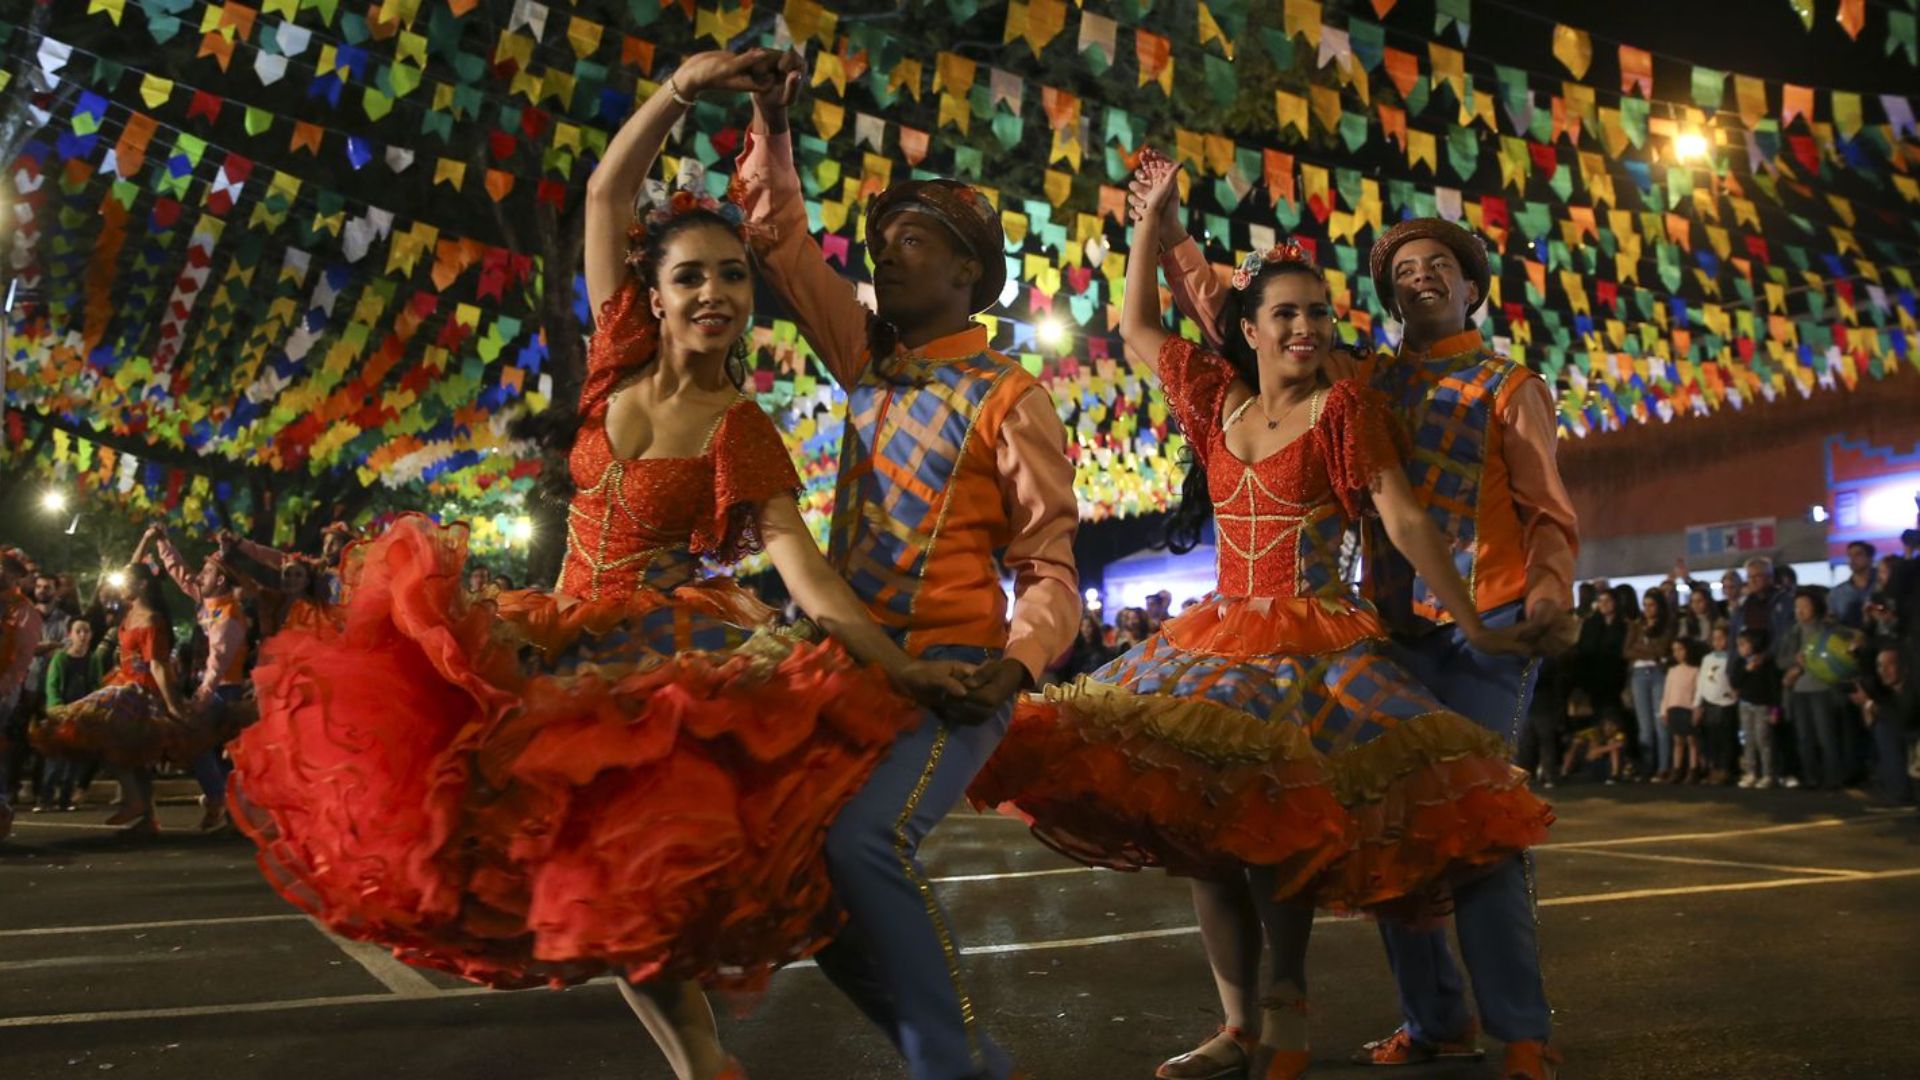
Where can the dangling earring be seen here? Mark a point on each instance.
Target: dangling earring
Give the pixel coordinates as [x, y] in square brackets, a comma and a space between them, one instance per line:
[737, 358]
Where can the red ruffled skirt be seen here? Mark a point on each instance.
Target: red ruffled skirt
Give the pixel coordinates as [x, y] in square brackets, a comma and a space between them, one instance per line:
[1267, 732]
[529, 791]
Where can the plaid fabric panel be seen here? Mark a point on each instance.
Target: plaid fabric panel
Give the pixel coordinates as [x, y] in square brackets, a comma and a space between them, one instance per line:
[882, 533]
[658, 635]
[1447, 406]
[1343, 699]
[1318, 558]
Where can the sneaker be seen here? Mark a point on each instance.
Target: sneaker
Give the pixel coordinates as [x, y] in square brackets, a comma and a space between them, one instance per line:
[1401, 1048]
[1747, 782]
[1611, 781]
[1790, 782]
[43, 808]
[1763, 783]
[1546, 785]
[1530, 1060]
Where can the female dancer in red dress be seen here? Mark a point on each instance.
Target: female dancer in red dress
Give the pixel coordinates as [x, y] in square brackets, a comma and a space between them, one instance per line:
[1261, 742]
[138, 718]
[633, 772]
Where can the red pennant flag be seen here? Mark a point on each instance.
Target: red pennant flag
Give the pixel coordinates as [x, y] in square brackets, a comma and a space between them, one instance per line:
[204, 106]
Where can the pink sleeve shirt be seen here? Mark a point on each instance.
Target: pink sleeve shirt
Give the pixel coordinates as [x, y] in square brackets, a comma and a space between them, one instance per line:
[1035, 476]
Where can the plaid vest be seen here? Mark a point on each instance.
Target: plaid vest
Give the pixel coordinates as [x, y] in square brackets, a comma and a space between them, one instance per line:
[1452, 408]
[918, 518]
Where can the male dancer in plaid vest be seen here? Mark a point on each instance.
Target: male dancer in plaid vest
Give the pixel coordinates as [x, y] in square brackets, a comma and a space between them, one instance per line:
[1483, 433]
[954, 463]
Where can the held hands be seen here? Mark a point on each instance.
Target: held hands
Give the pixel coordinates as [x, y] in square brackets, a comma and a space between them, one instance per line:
[989, 687]
[1549, 630]
[772, 76]
[1153, 198]
[935, 684]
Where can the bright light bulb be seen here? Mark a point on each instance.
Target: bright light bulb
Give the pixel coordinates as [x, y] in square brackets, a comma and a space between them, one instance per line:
[521, 530]
[1690, 146]
[1052, 333]
[117, 579]
[54, 501]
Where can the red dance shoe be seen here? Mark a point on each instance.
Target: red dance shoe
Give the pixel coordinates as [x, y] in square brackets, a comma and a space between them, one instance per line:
[1401, 1048]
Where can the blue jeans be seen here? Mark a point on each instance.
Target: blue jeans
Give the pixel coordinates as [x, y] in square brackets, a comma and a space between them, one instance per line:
[897, 959]
[1494, 914]
[1816, 717]
[210, 768]
[1656, 749]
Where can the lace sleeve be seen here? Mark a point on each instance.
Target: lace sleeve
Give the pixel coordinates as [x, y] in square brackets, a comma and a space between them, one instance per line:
[1196, 383]
[1359, 439]
[625, 337]
[750, 466]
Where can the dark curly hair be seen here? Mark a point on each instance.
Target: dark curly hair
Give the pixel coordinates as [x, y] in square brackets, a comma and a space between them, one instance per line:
[555, 429]
[1188, 520]
[144, 587]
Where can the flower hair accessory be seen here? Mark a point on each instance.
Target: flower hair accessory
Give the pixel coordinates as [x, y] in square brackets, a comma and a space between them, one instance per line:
[657, 204]
[1287, 251]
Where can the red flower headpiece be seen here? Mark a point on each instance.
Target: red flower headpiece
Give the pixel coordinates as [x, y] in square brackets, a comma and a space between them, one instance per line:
[1289, 250]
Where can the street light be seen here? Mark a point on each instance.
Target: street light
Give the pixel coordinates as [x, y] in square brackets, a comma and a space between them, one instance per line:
[53, 502]
[1690, 146]
[521, 530]
[117, 579]
[1052, 333]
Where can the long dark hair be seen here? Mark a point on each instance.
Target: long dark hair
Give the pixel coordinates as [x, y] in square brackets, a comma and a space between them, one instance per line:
[144, 588]
[555, 430]
[1188, 520]
[1663, 622]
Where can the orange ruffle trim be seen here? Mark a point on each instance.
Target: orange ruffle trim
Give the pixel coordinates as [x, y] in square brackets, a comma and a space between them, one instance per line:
[410, 784]
[1255, 626]
[1127, 781]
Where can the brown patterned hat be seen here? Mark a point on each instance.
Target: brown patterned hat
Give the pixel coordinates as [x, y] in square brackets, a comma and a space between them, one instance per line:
[965, 212]
[1465, 246]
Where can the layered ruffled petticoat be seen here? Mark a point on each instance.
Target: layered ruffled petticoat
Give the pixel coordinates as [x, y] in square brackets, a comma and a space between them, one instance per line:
[125, 723]
[538, 790]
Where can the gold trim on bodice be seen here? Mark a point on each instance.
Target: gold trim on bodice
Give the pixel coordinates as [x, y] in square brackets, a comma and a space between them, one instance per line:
[1251, 487]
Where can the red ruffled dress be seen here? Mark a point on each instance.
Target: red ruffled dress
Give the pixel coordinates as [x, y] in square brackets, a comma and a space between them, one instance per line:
[1266, 725]
[124, 722]
[632, 773]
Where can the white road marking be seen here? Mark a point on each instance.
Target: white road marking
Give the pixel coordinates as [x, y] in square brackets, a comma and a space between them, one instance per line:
[394, 975]
[978, 950]
[115, 928]
[1623, 841]
[1690, 860]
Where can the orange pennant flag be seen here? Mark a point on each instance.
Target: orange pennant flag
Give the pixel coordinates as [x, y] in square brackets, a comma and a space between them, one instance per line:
[1636, 69]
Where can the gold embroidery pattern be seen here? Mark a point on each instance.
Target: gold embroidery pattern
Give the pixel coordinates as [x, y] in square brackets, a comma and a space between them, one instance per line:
[903, 850]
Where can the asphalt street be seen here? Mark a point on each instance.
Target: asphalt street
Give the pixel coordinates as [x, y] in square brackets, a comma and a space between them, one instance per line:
[1687, 933]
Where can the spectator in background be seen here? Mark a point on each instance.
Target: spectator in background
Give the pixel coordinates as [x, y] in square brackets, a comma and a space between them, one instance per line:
[1814, 706]
[1757, 599]
[1677, 696]
[1603, 748]
[73, 672]
[1649, 647]
[1159, 609]
[1585, 598]
[1130, 628]
[1715, 709]
[1696, 622]
[1600, 664]
[1539, 749]
[1882, 616]
[1756, 685]
[1732, 588]
[1892, 705]
[1090, 651]
[1848, 600]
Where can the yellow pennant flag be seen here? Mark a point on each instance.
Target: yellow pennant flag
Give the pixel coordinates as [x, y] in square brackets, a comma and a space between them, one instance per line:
[155, 90]
[1573, 48]
[1210, 30]
[1422, 147]
[1290, 110]
[449, 171]
[112, 9]
[828, 118]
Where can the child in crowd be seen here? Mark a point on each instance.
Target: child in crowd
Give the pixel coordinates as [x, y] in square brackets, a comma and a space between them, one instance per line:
[75, 671]
[1757, 688]
[1599, 750]
[1714, 709]
[1676, 707]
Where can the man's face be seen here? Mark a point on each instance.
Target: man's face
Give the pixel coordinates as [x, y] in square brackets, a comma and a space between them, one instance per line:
[1859, 559]
[1887, 666]
[212, 579]
[45, 589]
[918, 266]
[1430, 287]
[1759, 575]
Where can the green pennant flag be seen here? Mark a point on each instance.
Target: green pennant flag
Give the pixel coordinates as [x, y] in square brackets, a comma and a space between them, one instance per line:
[257, 121]
[1221, 82]
[1900, 35]
[1709, 87]
[1633, 120]
[1463, 152]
